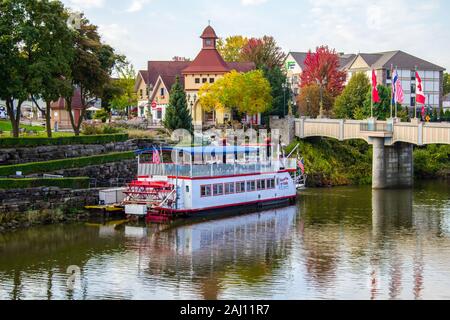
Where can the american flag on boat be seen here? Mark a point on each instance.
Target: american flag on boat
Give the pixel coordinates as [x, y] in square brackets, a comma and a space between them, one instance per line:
[156, 157]
[301, 165]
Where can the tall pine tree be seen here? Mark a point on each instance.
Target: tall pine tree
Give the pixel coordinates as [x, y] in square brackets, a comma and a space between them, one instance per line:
[177, 114]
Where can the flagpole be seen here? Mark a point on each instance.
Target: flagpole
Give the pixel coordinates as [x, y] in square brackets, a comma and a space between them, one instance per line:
[392, 89]
[394, 100]
[415, 104]
[371, 98]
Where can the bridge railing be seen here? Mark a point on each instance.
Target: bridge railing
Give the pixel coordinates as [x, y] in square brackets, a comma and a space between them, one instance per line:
[376, 127]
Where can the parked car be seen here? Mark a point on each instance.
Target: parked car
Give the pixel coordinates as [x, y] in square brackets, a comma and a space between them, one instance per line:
[3, 113]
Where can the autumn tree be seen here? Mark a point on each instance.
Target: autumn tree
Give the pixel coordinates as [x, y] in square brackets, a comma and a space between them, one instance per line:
[264, 52]
[245, 93]
[323, 68]
[231, 48]
[353, 97]
[309, 101]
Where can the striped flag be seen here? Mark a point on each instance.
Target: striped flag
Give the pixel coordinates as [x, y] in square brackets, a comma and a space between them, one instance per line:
[420, 95]
[399, 95]
[301, 166]
[156, 158]
[395, 80]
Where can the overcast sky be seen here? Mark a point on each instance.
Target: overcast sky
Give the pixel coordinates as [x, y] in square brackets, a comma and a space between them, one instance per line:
[160, 29]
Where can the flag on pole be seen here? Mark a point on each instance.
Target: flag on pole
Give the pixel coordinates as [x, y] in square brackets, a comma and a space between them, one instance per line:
[420, 95]
[394, 83]
[375, 95]
[301, 165]
[399, 96]
[156, 158]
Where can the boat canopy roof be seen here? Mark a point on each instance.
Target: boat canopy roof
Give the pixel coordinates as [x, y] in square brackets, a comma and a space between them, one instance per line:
[204, 150]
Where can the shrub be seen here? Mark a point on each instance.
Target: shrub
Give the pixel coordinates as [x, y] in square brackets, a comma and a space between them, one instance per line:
[91, 128]
[107, 129]
[9, 142]
[55, 165]
[65, 183]
[102, 115]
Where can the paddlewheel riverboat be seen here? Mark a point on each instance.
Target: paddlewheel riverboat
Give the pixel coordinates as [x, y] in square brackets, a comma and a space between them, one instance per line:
[209, 179]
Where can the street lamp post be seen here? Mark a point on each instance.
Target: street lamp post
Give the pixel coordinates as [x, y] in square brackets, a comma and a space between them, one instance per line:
[284, 85]
[321, 84]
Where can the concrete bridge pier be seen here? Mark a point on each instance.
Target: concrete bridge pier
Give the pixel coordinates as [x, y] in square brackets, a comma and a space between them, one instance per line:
[392, 165]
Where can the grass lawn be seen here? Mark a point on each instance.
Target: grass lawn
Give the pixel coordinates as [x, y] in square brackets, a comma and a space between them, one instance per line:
[5, 126]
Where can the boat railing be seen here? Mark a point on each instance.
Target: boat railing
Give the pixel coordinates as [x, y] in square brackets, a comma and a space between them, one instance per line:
[213, 169]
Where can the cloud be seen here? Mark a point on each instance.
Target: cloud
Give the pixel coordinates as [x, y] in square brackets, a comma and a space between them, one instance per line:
[252, 2]
[137, 5]
[86, 4]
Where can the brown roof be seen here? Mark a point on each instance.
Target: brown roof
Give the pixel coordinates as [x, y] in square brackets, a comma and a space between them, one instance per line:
[144, 74]
[344, 59]
[209, 33]
[399, 59]
[168, 70]
[208, 60]
[241, 66]
[76, 101]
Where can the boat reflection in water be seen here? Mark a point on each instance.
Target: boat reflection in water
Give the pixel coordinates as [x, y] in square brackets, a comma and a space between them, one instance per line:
[340, 243]
[244, 248]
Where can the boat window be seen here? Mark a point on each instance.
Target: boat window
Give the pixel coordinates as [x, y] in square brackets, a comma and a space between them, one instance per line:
[218, 189]
[187, 189]
[261, 184]
[271, 184]
[229, 188]
[240, 187]
[251, 186]
[205, 191]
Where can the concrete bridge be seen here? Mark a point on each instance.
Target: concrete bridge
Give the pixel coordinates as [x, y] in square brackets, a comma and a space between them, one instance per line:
[392, 142]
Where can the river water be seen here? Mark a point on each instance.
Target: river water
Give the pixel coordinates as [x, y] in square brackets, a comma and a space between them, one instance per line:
[341, 243]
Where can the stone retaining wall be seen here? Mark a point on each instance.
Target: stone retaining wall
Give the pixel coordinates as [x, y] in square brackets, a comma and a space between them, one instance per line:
[105, 175]
[22, 200]
[13, 156]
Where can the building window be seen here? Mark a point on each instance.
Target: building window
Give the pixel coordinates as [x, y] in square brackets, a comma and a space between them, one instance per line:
[211, 80]
[240, 187]
[197, 80]
[141, 92]
[251, 186]
[218, 189]
[413, 88]
[162, 92]
[205, 191]
[229, 188]
[261, 184]
[413, 101]
[388, 75]
[208, 42]
[187, 189]
[204, 80]
[159, 114]
[413, 75]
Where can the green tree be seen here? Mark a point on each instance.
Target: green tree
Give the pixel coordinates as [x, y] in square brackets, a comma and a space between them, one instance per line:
[90, 69]
[446, 83]
[281, 93]
[231, 48]
[122, 94]
[177, 112]
[352, 99]
[381, 110]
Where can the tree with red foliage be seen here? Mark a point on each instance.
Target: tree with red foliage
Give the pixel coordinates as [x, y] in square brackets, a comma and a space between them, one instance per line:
[264, 52]
[322, 68]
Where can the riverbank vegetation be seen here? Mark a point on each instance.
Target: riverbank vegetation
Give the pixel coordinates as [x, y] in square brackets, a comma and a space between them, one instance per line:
[55, 165]
[330, 162]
